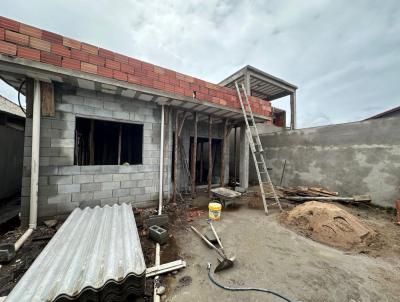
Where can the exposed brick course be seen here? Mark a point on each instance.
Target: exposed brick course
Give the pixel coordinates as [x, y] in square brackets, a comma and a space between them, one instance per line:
[84, 57]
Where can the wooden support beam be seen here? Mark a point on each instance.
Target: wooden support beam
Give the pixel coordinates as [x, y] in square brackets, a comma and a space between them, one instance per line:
[182, 122]
[209, 179]
[175, 167]
[194, 155]
[91, 143]
[29, 96]
[119, 144]
[47, 99]
[223, 153]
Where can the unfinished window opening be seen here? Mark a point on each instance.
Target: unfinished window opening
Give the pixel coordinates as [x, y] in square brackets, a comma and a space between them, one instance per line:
[100, 142]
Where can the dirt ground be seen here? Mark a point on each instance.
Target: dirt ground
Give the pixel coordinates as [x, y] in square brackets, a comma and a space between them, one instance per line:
[271, 256]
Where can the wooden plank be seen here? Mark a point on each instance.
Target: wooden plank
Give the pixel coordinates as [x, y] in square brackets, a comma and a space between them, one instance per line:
[165, 268]
[209, 178]
[223, 153]
[194, 155]
[47, 99]
[119, 144]
[91, 143]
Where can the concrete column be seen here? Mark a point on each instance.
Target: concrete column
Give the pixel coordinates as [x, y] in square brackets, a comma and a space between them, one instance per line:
[293, 111]
[244, 158]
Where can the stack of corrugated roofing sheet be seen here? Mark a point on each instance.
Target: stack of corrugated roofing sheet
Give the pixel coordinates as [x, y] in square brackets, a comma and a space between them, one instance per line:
[95, 256]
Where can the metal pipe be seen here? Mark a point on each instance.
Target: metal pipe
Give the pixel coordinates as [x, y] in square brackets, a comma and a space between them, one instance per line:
[156, 297]
[34, 167]
[160, 195]
[22, 239]
[35, 156]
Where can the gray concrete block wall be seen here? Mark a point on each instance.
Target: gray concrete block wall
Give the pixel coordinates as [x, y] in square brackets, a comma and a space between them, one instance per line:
[354, 158]
[64, 186]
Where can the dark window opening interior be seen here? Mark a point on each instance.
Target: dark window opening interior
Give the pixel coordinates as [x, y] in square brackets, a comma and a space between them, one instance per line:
[202, 160]
[100, 142]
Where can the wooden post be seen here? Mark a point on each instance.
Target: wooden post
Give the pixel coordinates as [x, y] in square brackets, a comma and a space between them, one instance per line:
[175, 156]
[194, 154]
[119, 144]
[209, 179]
[91, 143]
[223, 153]
[47, 99]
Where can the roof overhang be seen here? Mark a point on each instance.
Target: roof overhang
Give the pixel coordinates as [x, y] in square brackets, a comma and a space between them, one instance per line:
[15, 70]
[262, 84]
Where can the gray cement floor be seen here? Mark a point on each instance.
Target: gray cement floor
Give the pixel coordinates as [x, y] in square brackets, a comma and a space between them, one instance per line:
[270, 256]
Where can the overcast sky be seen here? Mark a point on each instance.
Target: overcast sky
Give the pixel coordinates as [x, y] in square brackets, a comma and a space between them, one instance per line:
[344, 56]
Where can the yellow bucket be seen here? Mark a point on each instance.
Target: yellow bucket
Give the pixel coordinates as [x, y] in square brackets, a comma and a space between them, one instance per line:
[214, 211]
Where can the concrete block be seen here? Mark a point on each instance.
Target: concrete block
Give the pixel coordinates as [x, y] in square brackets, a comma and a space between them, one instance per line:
[120, 177]
[69, 188]
[85, 110]
[121, 115]
[66, 116]
[113, 106]
[93, 102]
[69, 170]
[63, 125]
[60, 161]
[120, 192]
[109, 201]
[89, 203]
[142, 197]
[7, 252]
[82, 196]
[64, 107]
[128, 184]
[102, 113]
[60, 180]
[91, 169]
[103, 177]
[158, 234]
[66, 208]
[48, 190]
[47, 151]
[102, 194]
[110, 185]
[136, 176]
[81, 179]
[137, 191]
[145, 183]
[128, 169]
[109, 169]
[47, 171]
[125, 199]
[95, 186]
[44, 161]
[160, 220]
[62, 142]
[72, 99]
[59, 198]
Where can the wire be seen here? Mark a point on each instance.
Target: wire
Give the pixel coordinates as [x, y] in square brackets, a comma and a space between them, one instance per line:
[265, 290]
[19, 93]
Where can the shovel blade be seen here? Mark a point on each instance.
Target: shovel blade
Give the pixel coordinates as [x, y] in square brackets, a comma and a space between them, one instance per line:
[223, 265]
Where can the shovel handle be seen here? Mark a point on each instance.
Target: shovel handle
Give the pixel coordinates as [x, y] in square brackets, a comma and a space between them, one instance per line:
[208, 242]
[216, 235]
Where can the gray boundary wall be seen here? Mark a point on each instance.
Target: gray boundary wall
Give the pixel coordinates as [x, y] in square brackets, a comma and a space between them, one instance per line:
[64, 186]
[354, 158]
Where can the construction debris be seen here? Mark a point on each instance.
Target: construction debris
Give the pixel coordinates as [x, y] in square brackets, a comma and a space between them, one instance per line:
[329, 224]
[302, 193]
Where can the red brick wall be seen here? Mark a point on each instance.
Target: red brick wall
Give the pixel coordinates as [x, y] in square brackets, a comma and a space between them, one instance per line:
[21, 40]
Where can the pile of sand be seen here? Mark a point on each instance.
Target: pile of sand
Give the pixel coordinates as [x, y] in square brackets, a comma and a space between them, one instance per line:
[329, 224]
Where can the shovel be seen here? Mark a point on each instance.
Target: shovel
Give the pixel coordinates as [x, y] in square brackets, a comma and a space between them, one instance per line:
[226, 262]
